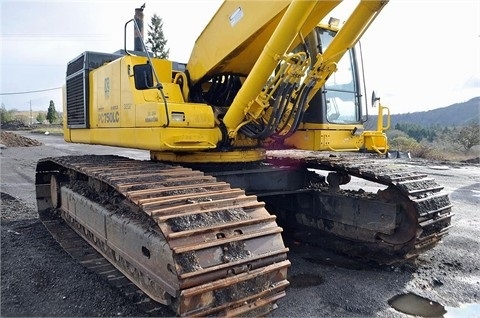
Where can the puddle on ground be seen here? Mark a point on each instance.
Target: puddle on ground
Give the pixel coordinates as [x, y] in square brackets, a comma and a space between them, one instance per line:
[305, 280]
[415, 305]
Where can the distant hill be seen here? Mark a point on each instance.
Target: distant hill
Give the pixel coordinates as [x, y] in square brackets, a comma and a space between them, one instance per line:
[459, 114]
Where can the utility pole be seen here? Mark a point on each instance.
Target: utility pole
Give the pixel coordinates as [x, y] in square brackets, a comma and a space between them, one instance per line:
[31, 115]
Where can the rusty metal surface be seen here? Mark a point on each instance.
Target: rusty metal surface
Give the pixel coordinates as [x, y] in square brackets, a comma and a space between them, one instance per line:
[425, 208]
[182, 237]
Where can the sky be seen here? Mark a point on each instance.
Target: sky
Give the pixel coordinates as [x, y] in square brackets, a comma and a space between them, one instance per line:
[418, 54]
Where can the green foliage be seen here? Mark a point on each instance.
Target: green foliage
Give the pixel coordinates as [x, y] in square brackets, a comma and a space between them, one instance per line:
[418, 132]
[51, 113]
[416, 149]
[403, 143]
[41, 117]
[6, 115]
[156, 42]
[436, 142]
[393, 133]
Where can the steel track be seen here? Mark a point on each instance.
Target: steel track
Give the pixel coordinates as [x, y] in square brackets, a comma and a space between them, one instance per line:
[221, 253]
[417, 193]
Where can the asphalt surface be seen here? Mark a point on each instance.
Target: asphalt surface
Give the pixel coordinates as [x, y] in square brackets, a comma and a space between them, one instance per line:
[39, 279]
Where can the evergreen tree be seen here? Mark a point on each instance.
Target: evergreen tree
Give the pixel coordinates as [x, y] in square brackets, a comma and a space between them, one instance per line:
[156, 42]
[51, 113]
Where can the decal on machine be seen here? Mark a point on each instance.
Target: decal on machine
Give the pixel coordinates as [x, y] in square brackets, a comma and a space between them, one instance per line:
[236, 16]
[106, 85]
[109, 117]
[151, 117]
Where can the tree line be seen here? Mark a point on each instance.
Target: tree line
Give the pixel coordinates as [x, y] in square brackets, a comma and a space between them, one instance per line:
[51, 116]
[427, 141]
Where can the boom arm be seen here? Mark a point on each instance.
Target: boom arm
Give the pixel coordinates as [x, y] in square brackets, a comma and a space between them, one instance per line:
[297, 15]
[266, 107]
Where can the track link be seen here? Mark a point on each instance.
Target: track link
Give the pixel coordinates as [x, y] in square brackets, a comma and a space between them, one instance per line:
[85, 254]
[417, 194]
[183, 238]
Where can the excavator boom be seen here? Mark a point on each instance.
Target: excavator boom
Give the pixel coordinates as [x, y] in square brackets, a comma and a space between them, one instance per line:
[286, 26]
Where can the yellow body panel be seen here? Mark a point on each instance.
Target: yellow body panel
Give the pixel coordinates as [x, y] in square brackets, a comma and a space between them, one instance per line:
[238, 31]
[376, 141]
[123, 116]
[132, 107]
[104, 88]
[326, 140]
[330, 137]
[152, 138]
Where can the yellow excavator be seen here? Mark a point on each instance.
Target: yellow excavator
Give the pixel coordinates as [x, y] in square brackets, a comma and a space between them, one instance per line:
[253, 141]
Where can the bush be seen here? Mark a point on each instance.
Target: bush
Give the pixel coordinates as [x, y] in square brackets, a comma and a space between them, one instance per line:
[6, 115]
[403, 143]
[417, 150]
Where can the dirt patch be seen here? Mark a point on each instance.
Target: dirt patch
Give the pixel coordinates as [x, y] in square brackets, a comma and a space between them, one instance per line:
[15, 125]
[12, 208]
[10, 139]
[40, 280]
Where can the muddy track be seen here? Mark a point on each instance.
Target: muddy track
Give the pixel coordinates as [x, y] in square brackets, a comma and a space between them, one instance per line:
[420, 197]
[181, 237]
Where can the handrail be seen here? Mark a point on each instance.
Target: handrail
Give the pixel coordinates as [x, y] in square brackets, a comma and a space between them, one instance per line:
[159, 85]
[380, 126]
[343, 149]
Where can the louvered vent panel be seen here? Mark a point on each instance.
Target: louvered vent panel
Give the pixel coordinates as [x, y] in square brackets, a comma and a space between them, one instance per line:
[77, 86]
[76, 103]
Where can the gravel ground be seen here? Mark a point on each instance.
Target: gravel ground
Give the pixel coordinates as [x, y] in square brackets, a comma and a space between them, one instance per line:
[39, 279]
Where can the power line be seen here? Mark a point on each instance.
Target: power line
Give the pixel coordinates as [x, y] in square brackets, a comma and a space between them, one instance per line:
[28, 92]
[53, 35]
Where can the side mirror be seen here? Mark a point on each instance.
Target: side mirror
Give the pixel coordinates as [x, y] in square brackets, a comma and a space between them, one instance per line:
[375, 99]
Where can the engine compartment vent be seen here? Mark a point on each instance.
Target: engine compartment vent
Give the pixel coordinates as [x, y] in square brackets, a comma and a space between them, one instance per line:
[77, 86]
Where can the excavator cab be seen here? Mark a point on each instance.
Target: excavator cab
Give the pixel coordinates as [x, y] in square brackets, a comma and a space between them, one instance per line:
[337, 112]
[340, 99]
